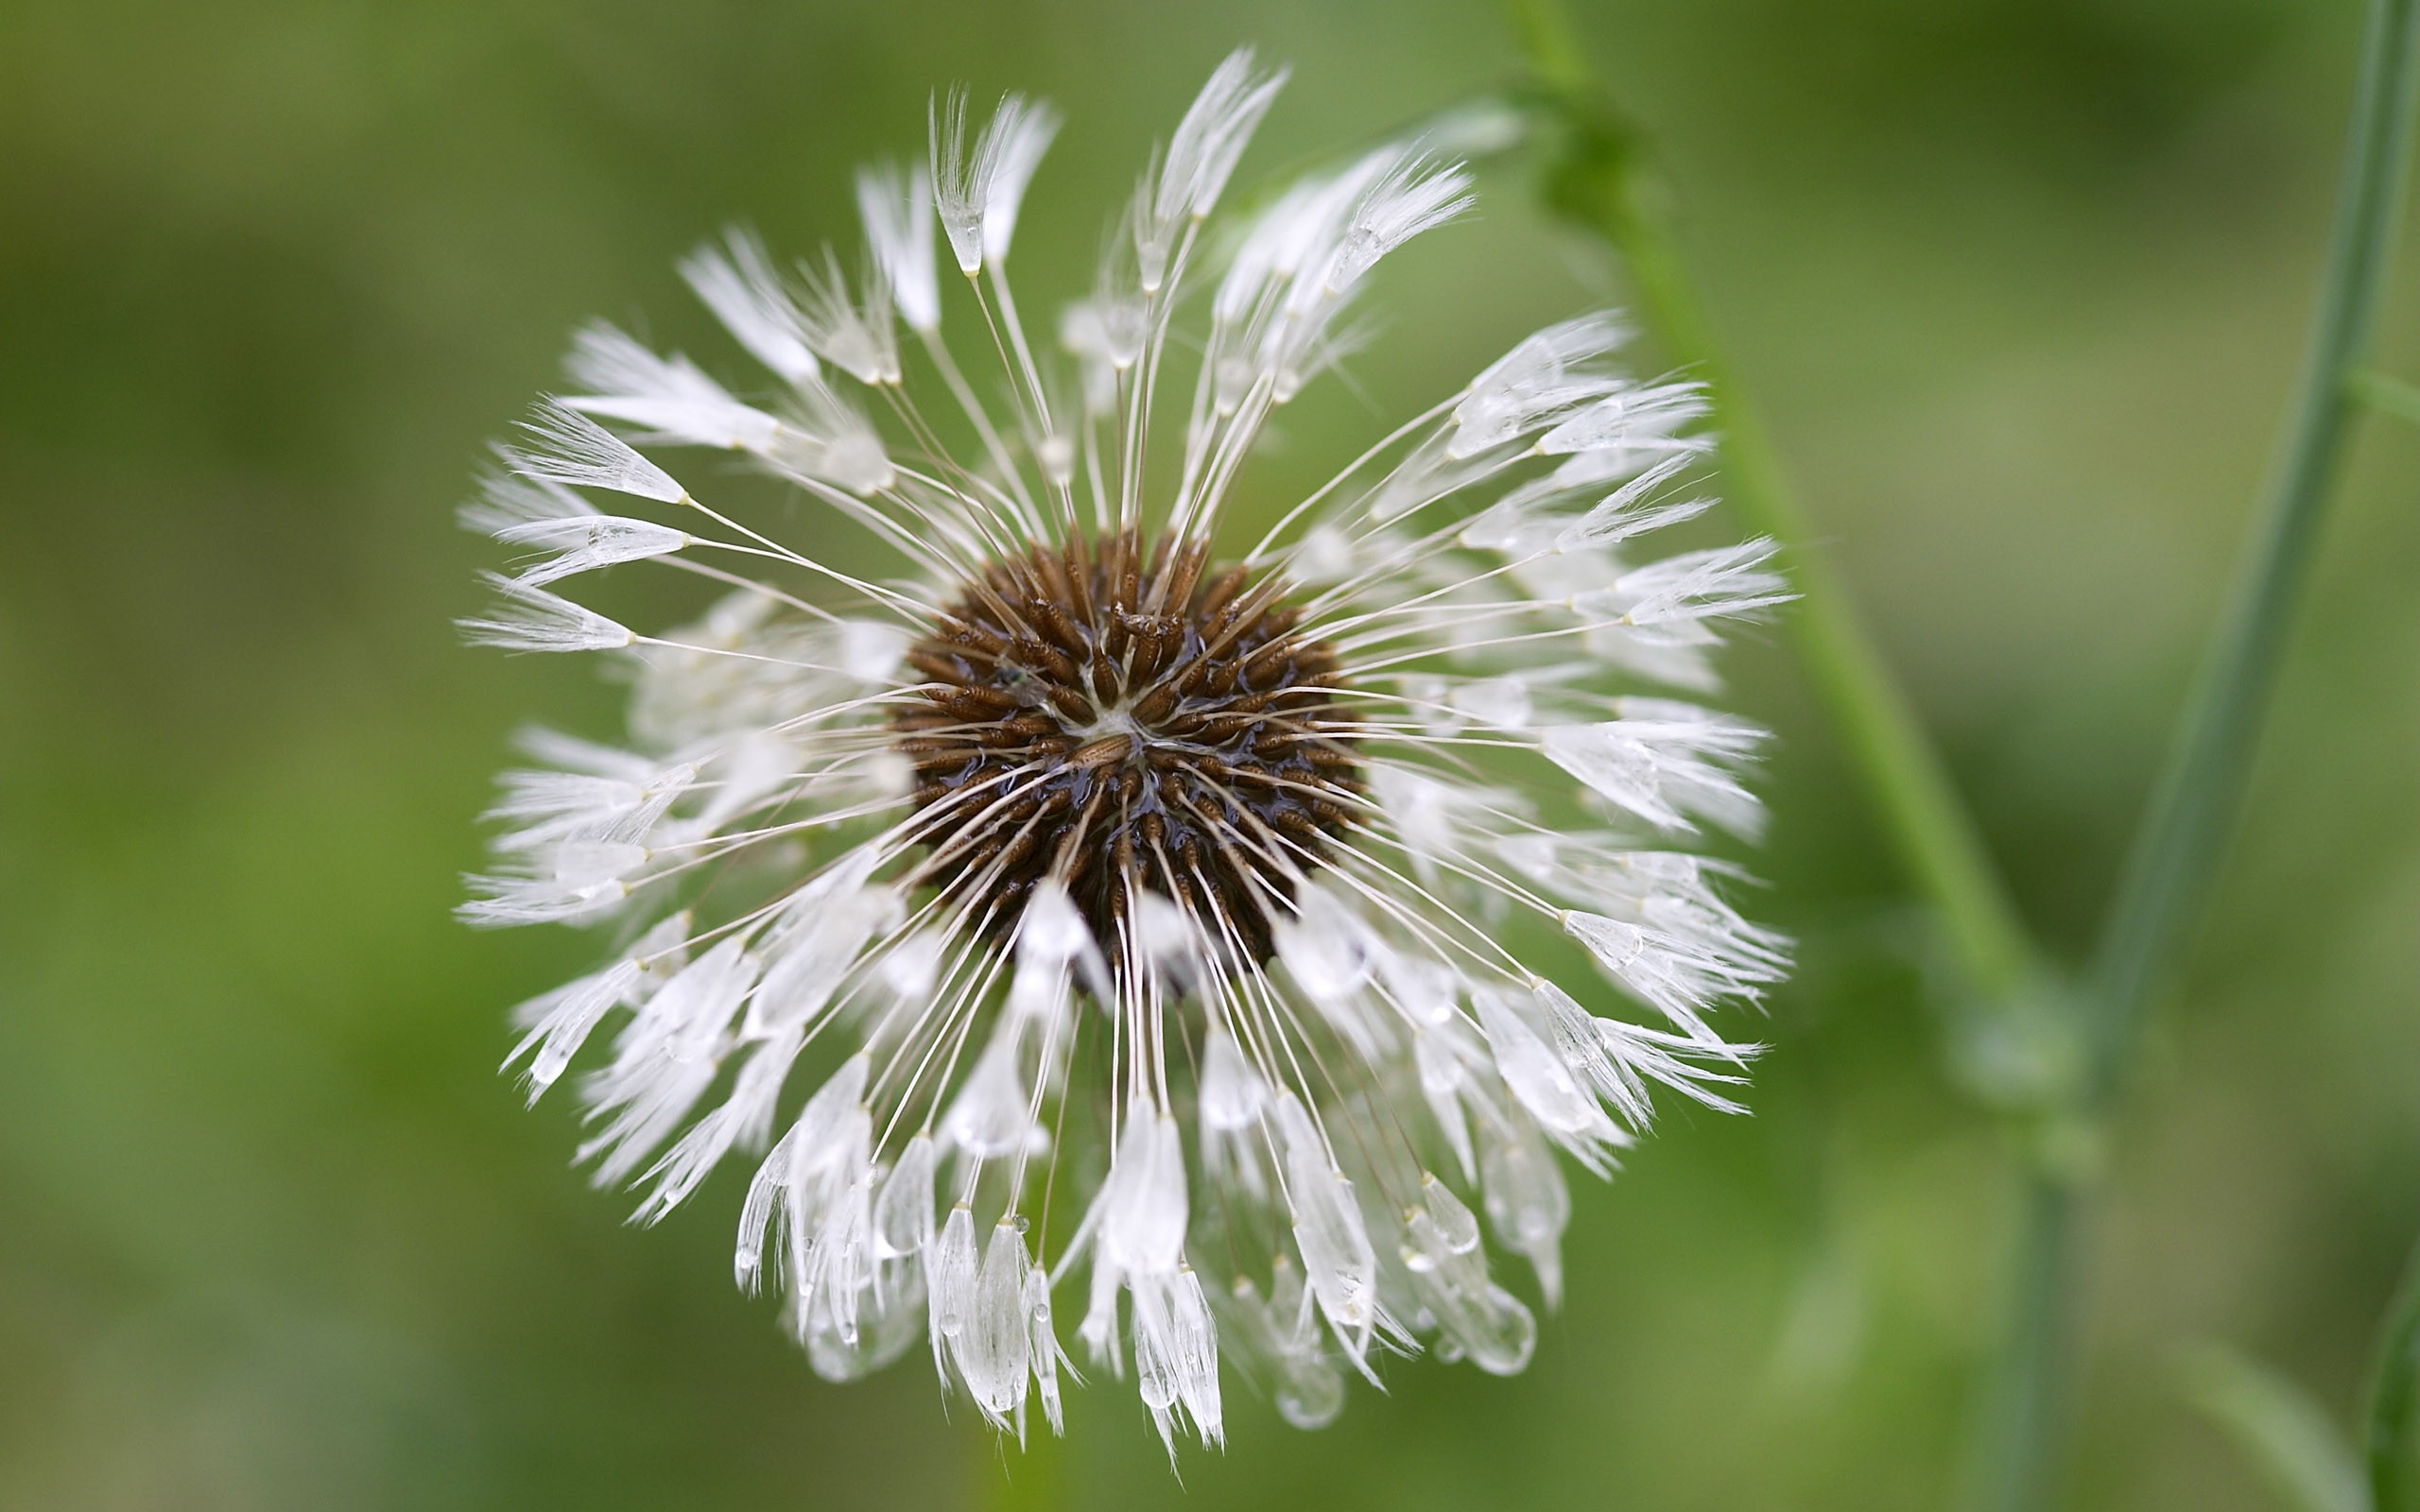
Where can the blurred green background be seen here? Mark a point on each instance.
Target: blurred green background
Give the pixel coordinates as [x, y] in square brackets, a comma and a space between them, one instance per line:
[2021, 285]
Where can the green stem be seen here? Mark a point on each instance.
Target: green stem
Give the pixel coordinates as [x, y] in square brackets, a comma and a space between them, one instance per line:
[1595, 182]
[2394, 1402]
[2169, 876]
[2025, 1396]
[2193, 813]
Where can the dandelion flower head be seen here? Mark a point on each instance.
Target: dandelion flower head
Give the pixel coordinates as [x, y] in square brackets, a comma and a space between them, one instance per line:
[1089, 915]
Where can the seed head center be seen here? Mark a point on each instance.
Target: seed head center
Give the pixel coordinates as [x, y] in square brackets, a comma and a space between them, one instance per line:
[1121, 720]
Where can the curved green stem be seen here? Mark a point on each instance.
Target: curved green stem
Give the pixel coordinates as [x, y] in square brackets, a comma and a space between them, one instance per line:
[2169, 876]
[2192, 814]
[1594, 180]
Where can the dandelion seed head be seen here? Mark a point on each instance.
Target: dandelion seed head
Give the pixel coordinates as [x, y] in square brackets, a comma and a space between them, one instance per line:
[1096, 926]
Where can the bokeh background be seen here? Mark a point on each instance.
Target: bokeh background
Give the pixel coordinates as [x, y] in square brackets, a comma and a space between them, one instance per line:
[2021, 285]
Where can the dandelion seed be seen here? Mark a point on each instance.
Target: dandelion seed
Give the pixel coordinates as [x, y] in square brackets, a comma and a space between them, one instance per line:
[574, 450]
[898, 213]
[1084, 839]
[737, 281]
